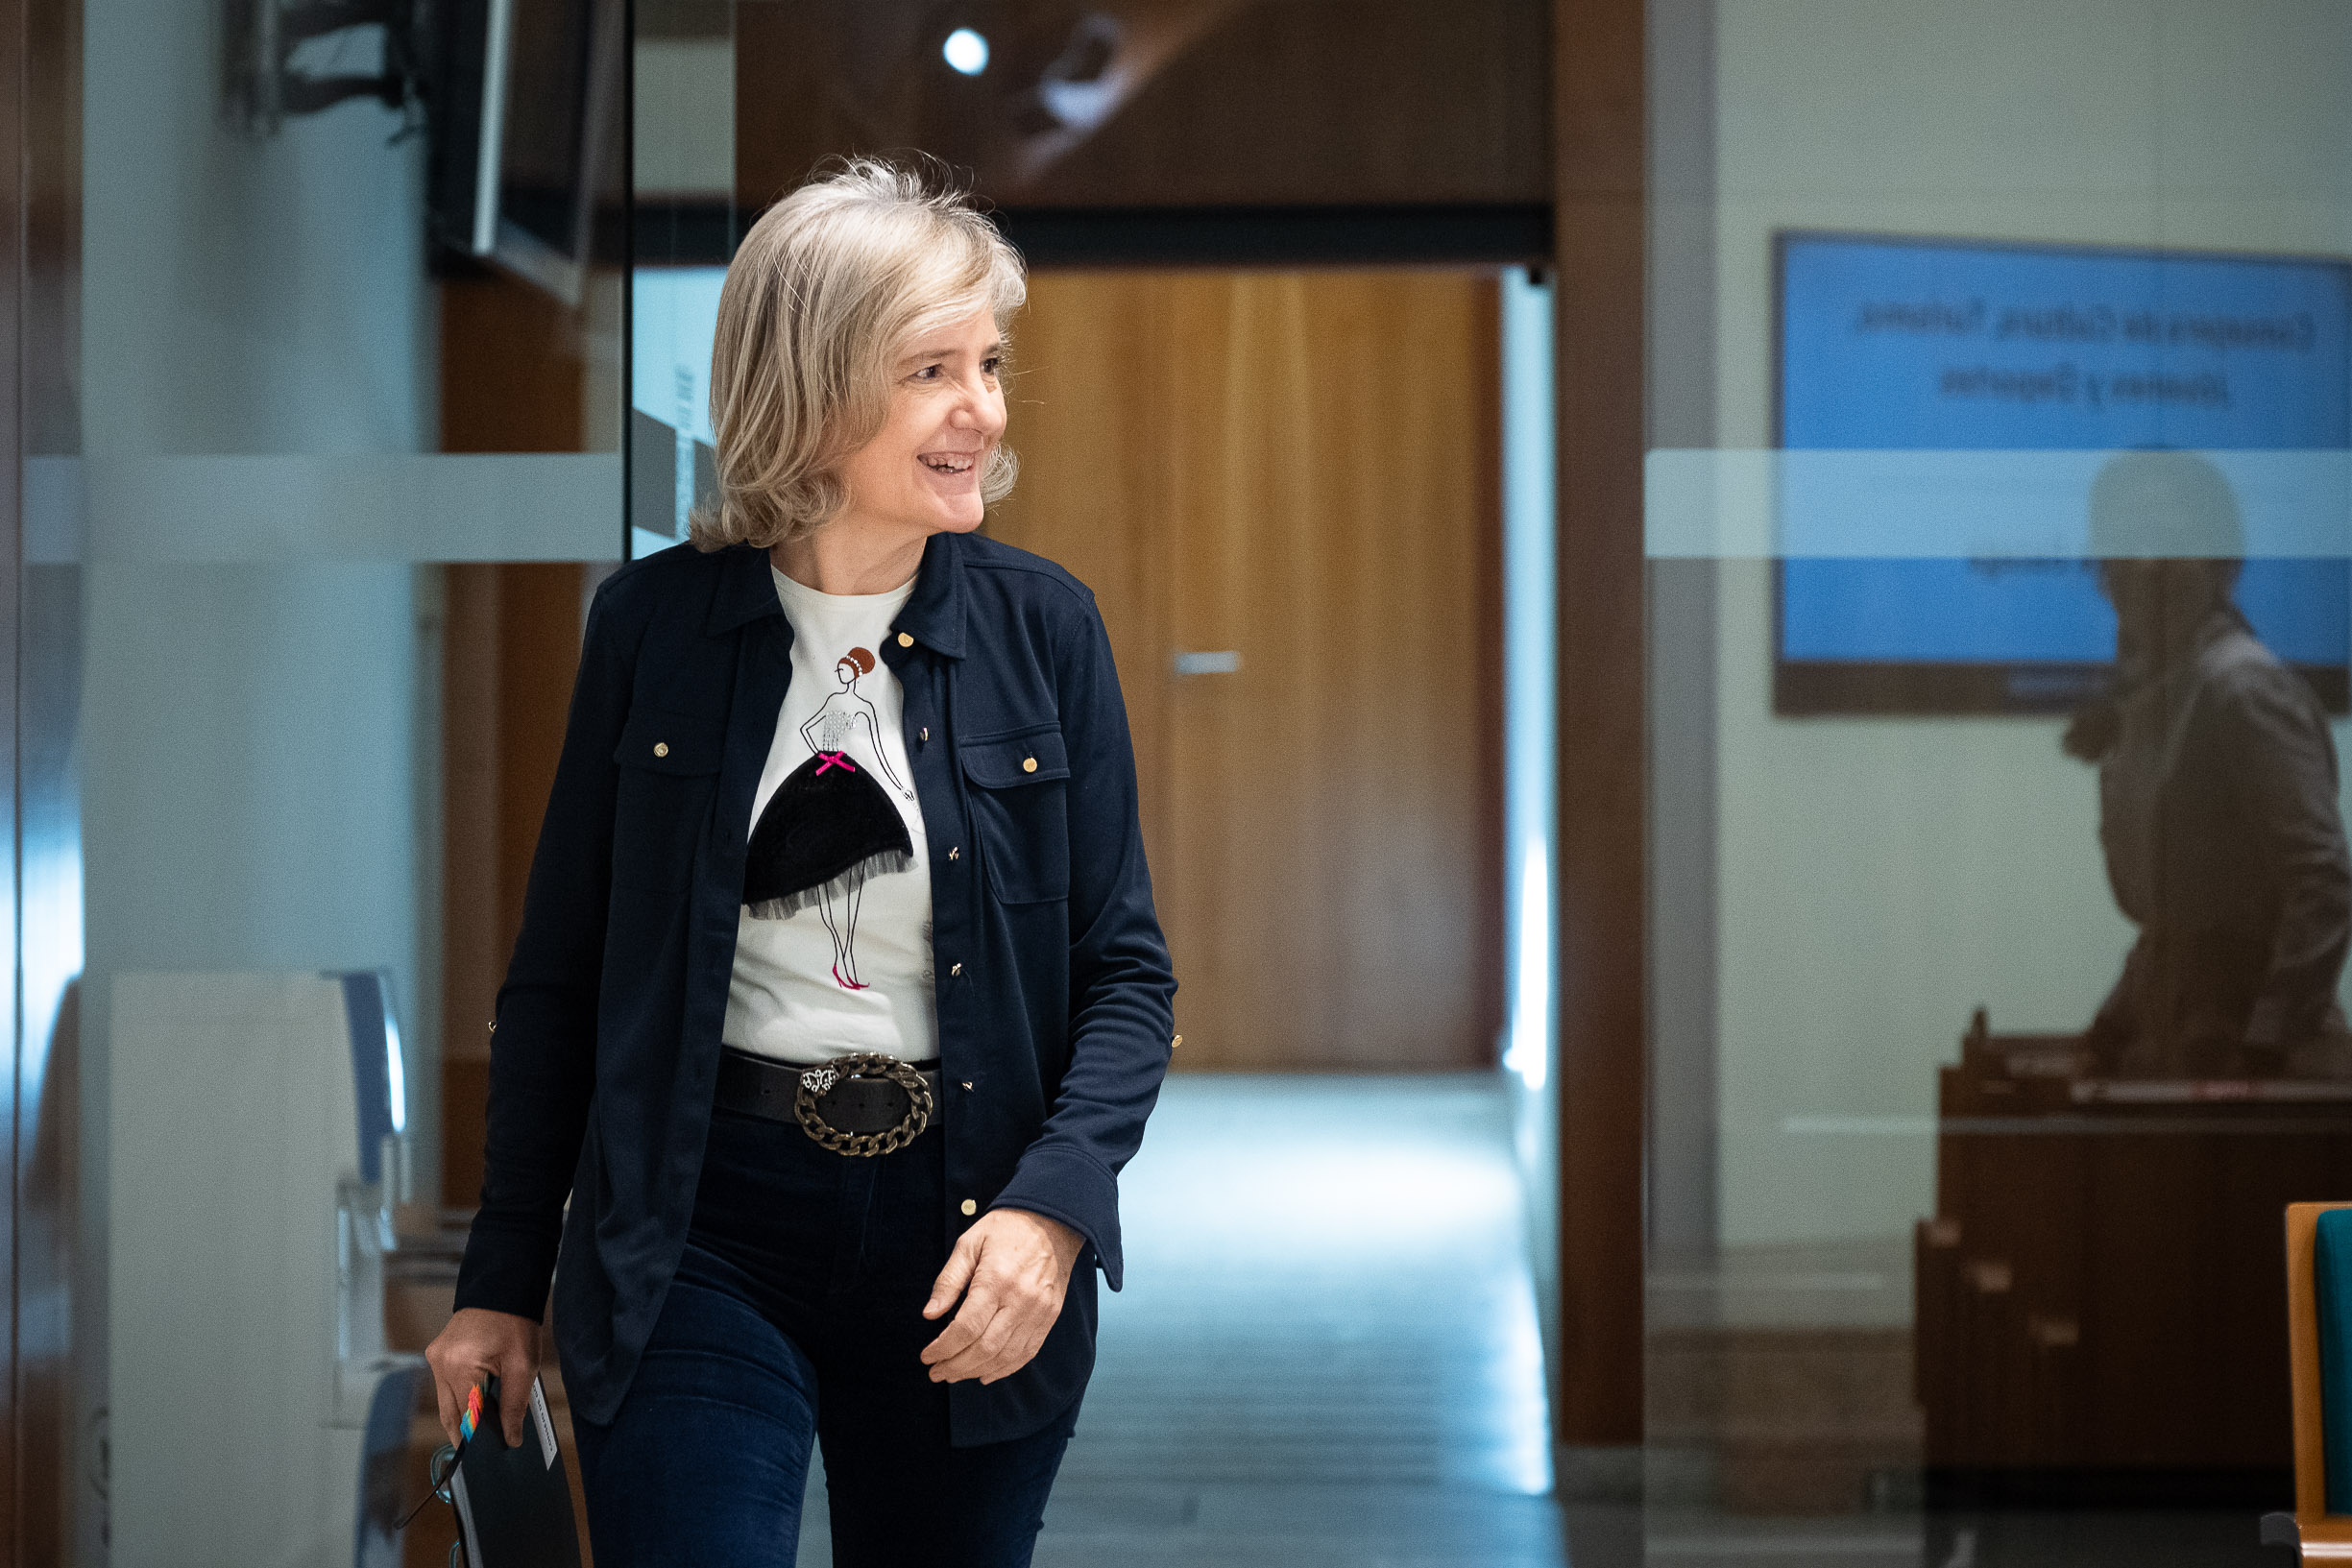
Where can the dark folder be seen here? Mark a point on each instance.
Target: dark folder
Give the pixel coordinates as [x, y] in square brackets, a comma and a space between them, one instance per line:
[514, 1505]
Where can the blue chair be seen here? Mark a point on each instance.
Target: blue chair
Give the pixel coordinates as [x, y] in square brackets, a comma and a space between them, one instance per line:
[2319, 1360]
[388, 1480]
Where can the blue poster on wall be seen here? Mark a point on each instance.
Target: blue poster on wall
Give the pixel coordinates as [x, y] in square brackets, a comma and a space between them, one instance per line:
[1893, 344]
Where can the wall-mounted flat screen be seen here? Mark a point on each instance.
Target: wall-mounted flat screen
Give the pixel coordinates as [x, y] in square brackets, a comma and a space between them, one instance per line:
[1905, 345]
[522, 106]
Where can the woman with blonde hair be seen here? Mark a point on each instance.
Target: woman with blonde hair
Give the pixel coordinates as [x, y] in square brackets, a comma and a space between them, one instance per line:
[839, 1000]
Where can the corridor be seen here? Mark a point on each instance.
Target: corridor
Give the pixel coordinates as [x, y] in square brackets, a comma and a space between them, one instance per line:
[1326, 1350]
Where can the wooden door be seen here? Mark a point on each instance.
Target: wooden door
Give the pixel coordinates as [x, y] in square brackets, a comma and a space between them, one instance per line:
[1300, 470]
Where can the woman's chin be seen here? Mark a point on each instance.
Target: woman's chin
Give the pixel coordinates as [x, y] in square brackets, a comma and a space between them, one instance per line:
[960, 516]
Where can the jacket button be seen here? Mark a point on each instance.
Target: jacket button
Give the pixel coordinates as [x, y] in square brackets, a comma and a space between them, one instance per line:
[905, 640]
[660, 748]
[923, 734]
[1175, 1042]
[1028, 764]
[970, 1207]
[954, 850]
[967, 1083]
[955, 969]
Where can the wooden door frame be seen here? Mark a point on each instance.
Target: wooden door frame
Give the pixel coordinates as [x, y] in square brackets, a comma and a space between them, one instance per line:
[1600, 227]
[38, 211]
[46, 1495]
[15, 212]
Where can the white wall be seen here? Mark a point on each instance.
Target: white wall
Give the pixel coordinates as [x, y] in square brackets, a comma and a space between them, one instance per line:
[248, 722]
[1877, 878]
[251, 729]
[684, 116]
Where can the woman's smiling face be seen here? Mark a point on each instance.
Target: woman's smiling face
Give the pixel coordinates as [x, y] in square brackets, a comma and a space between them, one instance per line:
[920, 475]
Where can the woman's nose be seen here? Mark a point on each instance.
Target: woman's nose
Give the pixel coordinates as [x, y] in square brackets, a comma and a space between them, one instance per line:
[980, 409]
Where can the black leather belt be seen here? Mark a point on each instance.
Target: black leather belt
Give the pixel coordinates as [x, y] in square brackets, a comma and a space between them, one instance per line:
[862, 1106]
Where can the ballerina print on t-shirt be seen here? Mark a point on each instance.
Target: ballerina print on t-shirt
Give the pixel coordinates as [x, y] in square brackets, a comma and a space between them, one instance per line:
[831, 824]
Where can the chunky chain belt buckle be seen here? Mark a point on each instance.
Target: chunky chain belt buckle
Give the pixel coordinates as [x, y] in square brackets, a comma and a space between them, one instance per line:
[865, 1064]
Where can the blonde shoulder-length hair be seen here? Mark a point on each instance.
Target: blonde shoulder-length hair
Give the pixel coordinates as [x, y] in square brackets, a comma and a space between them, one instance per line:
[829, 288]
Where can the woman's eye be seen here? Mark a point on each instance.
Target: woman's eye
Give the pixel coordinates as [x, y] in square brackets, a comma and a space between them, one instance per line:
[929, 373]
[991, 366]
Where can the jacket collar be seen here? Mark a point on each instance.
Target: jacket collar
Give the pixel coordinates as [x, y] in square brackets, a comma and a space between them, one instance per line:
[933, 616]
[746, 591]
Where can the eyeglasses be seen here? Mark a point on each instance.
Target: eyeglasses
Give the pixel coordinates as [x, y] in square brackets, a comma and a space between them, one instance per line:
[439, 1471]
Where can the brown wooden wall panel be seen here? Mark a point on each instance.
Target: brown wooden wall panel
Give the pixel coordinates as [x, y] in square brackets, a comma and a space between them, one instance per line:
[1303, 469]
[53, 229]
[1600, 218]
[1237, 102]
[23, 1517]
[512, 379]
[1338, 103]
[510, 648]
[45, 68]
[512, 367]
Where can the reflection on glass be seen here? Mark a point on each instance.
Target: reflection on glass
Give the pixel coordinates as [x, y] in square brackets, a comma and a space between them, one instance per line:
[673, 316]
[2025, 445]
[1902, 344]
[313, 432]
[2217, 801]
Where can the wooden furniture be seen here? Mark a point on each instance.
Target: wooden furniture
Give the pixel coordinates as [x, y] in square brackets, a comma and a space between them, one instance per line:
[2098, 1306]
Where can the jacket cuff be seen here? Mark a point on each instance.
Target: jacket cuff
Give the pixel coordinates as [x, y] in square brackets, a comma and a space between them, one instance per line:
[1076, 1189]
[506, 1274]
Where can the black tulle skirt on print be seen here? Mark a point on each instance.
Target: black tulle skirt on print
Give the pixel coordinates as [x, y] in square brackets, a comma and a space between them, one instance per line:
[828, 828]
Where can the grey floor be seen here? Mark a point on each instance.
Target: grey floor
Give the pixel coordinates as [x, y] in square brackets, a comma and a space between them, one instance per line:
[1327, 1355]
[1327, 1349]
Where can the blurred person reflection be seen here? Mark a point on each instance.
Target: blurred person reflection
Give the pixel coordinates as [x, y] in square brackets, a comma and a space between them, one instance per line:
[2218, 799]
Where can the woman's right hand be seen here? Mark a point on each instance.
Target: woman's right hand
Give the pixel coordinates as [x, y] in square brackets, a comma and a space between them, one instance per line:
[477, 1344]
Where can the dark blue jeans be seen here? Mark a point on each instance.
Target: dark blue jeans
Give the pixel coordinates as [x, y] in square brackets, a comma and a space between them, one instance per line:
[797, 1315]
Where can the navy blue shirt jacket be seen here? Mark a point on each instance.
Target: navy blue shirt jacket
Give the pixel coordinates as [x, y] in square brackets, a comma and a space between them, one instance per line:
[1054, 994]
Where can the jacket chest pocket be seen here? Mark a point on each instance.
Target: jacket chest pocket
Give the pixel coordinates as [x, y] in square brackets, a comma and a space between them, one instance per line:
[669, 766]
[1020, 813]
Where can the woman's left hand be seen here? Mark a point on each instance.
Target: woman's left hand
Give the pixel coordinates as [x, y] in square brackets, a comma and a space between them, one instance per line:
[1011, 1268]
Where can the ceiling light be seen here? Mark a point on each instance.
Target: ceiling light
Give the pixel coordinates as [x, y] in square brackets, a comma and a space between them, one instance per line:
[965, 51]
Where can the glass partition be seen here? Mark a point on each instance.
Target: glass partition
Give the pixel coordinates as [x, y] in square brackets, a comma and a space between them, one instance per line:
[346, 389]
[1998, 525]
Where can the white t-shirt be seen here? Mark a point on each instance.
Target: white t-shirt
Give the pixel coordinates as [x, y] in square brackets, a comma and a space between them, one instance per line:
[849, 968]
